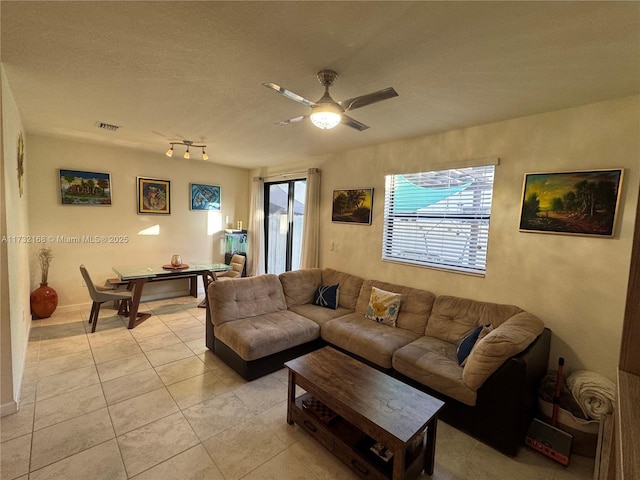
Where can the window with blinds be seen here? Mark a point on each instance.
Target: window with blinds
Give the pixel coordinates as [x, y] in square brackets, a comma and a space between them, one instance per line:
[439, 219]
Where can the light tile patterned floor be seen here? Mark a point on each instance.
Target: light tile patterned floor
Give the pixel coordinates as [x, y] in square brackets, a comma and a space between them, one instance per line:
[154, 403]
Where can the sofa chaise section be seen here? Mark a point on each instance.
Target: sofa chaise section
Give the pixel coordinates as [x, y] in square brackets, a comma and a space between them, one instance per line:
[251, 328]
[492, 394]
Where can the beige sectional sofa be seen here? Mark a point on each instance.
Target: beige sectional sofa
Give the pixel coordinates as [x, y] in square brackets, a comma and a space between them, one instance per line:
[257, 323]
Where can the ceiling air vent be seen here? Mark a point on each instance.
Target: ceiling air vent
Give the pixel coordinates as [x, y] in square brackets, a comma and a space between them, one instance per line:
[108, 126]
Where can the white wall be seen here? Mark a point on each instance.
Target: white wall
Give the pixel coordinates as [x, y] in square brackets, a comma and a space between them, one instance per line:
[16, 319]
[577, 285]
[195, 235]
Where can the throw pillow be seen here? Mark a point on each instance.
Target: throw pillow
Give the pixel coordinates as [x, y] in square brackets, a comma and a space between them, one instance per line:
[466, 344]
[327, 296]
[383, 306]
[486, 330]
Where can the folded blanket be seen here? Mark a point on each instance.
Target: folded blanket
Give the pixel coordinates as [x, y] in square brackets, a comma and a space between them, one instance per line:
[594, 393]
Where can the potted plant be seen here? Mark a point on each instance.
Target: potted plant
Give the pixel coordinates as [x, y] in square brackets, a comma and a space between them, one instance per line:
[44, 299]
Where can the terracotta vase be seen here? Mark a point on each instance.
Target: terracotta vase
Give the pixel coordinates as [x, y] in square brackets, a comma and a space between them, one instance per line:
[44, 301]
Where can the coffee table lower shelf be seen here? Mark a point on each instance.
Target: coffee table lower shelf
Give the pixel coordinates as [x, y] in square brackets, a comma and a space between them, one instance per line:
[353, 447]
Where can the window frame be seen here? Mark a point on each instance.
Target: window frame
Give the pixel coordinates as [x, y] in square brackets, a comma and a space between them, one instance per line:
[473, 225]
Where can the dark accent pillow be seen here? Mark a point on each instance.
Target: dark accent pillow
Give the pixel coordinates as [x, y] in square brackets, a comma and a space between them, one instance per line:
[327, 296]
[466, 344]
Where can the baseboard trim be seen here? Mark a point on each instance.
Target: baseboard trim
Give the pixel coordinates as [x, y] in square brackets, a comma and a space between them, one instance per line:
[145, 298]
[8, 408]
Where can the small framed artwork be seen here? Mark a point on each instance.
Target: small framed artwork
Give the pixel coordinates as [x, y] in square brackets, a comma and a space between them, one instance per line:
[205, 197]
[352, 206]
[20, 164]
[154, 196]
[78, 187]
[571, 203]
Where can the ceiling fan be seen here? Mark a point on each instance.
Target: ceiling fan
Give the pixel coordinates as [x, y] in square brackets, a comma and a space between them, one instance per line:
[326, 113]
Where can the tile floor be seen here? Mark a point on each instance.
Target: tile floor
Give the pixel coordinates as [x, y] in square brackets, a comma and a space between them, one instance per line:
[154, 403]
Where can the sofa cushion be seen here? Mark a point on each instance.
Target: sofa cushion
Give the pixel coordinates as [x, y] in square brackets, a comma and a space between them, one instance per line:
[320, 315]
[373, 341]
[415, 307]
[327, 296]
[433, 362]
[453, 317]
[503, 342]
[245, 297]
[350, 286]
[256, 337]
[383, 306]
[300, 285]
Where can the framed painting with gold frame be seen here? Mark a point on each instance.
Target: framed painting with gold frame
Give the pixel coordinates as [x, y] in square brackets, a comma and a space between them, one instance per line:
[352, 206]
[571, 203]
[154, 196]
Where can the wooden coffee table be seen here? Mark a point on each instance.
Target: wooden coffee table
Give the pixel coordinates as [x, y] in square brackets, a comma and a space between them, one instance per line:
[353, 410]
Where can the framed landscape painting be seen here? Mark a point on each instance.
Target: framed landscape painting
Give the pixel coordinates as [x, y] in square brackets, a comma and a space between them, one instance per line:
[85, 188]
[205, 197]
[571, 203]
[154, 196]
[352, 206]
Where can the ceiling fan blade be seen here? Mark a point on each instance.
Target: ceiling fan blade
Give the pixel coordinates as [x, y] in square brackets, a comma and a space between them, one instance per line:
[368, 99]
[292, 120]
[289, 94]
[353, 123]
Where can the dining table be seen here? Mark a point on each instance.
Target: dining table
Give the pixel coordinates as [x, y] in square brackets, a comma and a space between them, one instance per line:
[137, 276]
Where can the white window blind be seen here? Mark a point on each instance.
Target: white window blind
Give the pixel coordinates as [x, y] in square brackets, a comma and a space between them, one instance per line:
[439, 218]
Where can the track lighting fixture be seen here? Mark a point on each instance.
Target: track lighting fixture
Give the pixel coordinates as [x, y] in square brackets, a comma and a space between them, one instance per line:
[188, 144]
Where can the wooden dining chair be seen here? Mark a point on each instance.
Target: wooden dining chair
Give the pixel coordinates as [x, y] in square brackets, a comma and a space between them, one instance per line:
[100, 295]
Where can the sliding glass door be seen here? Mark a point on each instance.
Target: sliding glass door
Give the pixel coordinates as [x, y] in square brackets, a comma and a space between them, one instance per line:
[283, 224]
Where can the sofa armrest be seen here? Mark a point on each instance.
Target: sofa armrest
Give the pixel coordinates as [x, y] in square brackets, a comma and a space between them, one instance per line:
[503, 342]
[507, 401]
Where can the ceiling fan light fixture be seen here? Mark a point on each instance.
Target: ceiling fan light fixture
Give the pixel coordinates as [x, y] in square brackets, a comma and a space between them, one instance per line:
[325, 120]
[204, 155]
[186, 154]
[169, 153]
[326, 115]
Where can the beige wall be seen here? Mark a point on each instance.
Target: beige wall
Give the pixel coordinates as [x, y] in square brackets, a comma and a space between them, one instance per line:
[195, 235]
[15, 320]
[577, 285]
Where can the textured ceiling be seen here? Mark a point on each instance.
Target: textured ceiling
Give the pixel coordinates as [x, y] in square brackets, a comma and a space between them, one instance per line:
[167, 71]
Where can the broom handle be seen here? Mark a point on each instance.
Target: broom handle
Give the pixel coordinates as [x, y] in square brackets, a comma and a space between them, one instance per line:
[556, 397]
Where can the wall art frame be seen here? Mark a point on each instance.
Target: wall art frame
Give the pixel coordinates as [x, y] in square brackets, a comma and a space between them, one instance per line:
[583, 203]
[20, 160]
[154, 196]
[204, 197]
[354, 205]
[79, 187]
